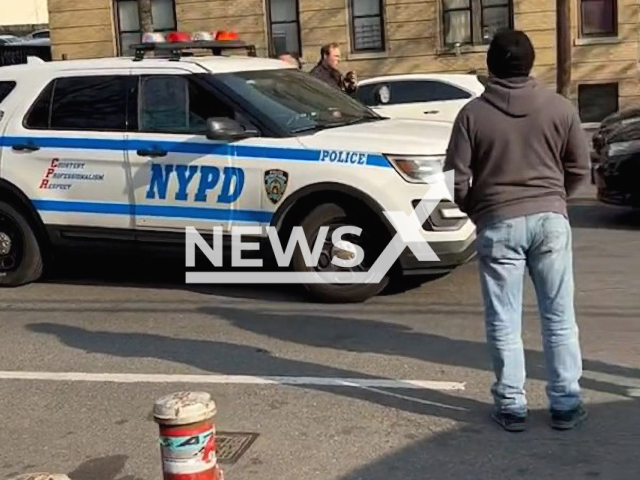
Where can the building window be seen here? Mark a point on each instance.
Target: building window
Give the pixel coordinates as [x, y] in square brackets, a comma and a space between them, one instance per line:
[596, 102]
[164, 20]
[367, 26]
[598, 18]
[475, 22]
[284, 27]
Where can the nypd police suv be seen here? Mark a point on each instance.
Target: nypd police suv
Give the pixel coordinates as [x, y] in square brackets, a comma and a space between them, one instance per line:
[138, 149]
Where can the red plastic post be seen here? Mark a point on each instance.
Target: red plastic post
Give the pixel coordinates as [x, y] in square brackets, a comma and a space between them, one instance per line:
[187, 436]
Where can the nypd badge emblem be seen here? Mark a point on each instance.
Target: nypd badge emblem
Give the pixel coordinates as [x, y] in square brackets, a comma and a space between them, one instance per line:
[275, 183]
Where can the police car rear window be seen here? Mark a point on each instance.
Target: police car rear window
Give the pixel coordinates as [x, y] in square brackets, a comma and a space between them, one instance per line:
[5, 89]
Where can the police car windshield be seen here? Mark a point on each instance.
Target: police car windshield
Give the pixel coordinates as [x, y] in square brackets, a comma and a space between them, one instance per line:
[295, 100]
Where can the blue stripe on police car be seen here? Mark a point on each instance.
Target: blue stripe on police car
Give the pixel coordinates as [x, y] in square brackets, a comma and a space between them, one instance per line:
[261, 152]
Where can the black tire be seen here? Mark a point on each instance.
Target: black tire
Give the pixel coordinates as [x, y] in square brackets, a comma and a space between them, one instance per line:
[23, 264]
[404, 284]
[333, 214]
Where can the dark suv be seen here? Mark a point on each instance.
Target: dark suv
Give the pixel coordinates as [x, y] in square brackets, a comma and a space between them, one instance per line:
[616, 158]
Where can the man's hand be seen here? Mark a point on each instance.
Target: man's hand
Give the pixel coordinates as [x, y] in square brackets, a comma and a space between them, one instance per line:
[350, 82]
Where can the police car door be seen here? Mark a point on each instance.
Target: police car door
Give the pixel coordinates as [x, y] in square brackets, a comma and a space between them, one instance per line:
[64, 149]
[180, 178]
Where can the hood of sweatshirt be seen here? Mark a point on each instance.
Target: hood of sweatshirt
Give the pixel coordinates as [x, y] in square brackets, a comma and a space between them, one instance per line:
[515, 97]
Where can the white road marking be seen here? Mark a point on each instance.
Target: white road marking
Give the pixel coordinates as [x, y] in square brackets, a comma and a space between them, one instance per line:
[411, 399]
[232, 379]
[631, 384]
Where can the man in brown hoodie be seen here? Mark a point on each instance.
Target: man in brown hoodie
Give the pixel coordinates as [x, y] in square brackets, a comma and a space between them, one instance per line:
[518, 152]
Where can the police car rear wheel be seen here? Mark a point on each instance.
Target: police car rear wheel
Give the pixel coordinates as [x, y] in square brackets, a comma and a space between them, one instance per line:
[20, 257]
[371, 240]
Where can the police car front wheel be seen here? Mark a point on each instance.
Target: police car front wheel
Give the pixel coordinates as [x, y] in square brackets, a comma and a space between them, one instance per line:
[370, 241]
[20, 256]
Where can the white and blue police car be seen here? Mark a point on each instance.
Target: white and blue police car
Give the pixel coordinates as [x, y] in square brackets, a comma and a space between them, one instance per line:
[136, 149]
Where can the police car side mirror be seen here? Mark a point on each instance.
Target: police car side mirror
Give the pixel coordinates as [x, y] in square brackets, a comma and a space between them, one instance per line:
[223, 128]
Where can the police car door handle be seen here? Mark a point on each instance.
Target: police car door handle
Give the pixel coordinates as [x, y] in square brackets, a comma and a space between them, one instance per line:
[152, 152]
[21, 147]
[431, 112]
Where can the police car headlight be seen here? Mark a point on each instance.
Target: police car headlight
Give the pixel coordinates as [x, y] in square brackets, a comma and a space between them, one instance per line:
[417, 169]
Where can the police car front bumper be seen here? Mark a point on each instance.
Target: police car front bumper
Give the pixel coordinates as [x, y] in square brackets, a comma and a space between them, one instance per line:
[451, 255]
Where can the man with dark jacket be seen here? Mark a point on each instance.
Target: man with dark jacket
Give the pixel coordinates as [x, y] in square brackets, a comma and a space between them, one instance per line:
[518, 152]
[327, 70]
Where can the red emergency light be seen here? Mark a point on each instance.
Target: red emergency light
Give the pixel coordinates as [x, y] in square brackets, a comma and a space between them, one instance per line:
[186, 37]
[177, 43]
[178, 37]
[225, 36]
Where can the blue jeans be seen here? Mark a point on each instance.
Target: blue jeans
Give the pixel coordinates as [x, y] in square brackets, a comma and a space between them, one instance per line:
[540, 243]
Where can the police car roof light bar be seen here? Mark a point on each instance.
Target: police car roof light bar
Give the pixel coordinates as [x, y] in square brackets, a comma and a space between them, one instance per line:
[177, 49]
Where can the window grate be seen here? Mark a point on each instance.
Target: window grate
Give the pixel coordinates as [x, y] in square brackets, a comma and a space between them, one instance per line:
[284, 27]
[367, 29]
[474, 22]
[128, 22]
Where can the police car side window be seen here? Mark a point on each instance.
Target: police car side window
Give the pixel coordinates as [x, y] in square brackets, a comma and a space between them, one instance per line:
[38, 115]
[174, 104]
[366, 94]
[5, 89]
[81, 103]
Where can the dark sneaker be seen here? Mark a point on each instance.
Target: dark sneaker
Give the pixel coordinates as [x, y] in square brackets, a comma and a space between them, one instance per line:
[510, 422]
[569, 419]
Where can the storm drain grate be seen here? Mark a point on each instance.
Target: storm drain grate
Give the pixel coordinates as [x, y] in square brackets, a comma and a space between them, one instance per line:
[232, 445]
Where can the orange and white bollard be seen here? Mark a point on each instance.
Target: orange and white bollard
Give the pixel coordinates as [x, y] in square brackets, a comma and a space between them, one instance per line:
[187, 436]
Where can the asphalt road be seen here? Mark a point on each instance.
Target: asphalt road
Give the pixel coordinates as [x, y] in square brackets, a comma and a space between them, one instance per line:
[105, 318]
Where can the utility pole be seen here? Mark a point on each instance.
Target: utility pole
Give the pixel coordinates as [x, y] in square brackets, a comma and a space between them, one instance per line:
[563, 46]
[145, 16]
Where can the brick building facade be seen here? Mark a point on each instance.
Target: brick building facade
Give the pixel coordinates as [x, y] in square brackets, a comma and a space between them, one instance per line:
[385, 36]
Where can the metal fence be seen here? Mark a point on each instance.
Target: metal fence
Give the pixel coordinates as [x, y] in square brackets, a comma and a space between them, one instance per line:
[16, 54]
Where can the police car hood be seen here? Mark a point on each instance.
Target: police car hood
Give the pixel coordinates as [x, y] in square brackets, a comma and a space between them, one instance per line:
[388, 136]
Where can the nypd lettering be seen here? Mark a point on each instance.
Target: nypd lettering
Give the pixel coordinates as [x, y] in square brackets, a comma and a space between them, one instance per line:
[196, 183]
[337, 156]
